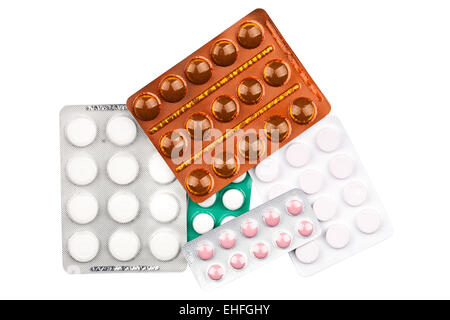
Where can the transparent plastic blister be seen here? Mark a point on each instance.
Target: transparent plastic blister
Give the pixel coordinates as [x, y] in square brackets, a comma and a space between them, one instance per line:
[252, 239]
[324, 164]
[122, 208]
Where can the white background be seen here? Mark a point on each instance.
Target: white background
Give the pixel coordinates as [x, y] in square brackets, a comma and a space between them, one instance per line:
[383, 65]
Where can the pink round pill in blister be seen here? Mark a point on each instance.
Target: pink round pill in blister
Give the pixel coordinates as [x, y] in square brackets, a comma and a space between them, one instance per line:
[249, 228]
[337, 236]
[368, 220]
[271, 217]
[294, 207]
[283, 240]
[267, 170]
[310, 181]
[325, 208]
[341, 166]
[328, 139]
[215, 272]
[298, 154]
[238, 261]
[205, 251]
[308, 253]
[260, 250]
[305, 228]
[227, 239]
[355, 193]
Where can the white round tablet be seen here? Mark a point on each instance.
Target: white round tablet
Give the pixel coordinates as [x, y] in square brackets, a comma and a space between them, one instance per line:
[124, 245]
[122, 168]
[328, 139]
[164, 207]
[341, 166]
[240, 178]
[310, 181]
[337, 236]
[82, 208]
[164, 245]
[325, 208]
[123, 206]
[308, 253]
[368, 220]
[354, 193]
[233, 199]
[277, 190]
[203, 223]
[83, 246]
[267, 170]
[298, 154]
[81, 170]
[227, 219]
[81, 131]
[208, 202]
[159, 170]
[121, 130]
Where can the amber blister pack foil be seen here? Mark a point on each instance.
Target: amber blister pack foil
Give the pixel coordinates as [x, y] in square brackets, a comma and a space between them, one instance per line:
[227, 106]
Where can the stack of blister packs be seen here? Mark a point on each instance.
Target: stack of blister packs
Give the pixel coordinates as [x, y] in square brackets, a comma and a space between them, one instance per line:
[181, 160]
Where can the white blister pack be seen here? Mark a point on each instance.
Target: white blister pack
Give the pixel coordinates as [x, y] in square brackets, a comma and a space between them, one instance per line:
[251, 240]
[323, 163]
[122, 208]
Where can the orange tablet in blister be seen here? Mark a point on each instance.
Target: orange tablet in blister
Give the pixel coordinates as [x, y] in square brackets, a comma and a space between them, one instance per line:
[244, 92]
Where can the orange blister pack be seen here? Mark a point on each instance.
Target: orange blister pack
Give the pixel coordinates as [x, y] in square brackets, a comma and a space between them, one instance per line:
[228, 105]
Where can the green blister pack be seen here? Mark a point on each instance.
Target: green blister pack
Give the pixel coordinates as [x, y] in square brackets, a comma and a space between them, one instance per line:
[230, 202]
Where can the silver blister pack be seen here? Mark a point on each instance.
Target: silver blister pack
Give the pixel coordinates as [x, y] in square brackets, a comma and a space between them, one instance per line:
[122, 208]
[251, 240]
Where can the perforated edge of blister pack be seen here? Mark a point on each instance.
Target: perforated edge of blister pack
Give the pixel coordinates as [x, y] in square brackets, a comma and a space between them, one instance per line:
[352, 217]
[297, 224]
[145, 226]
